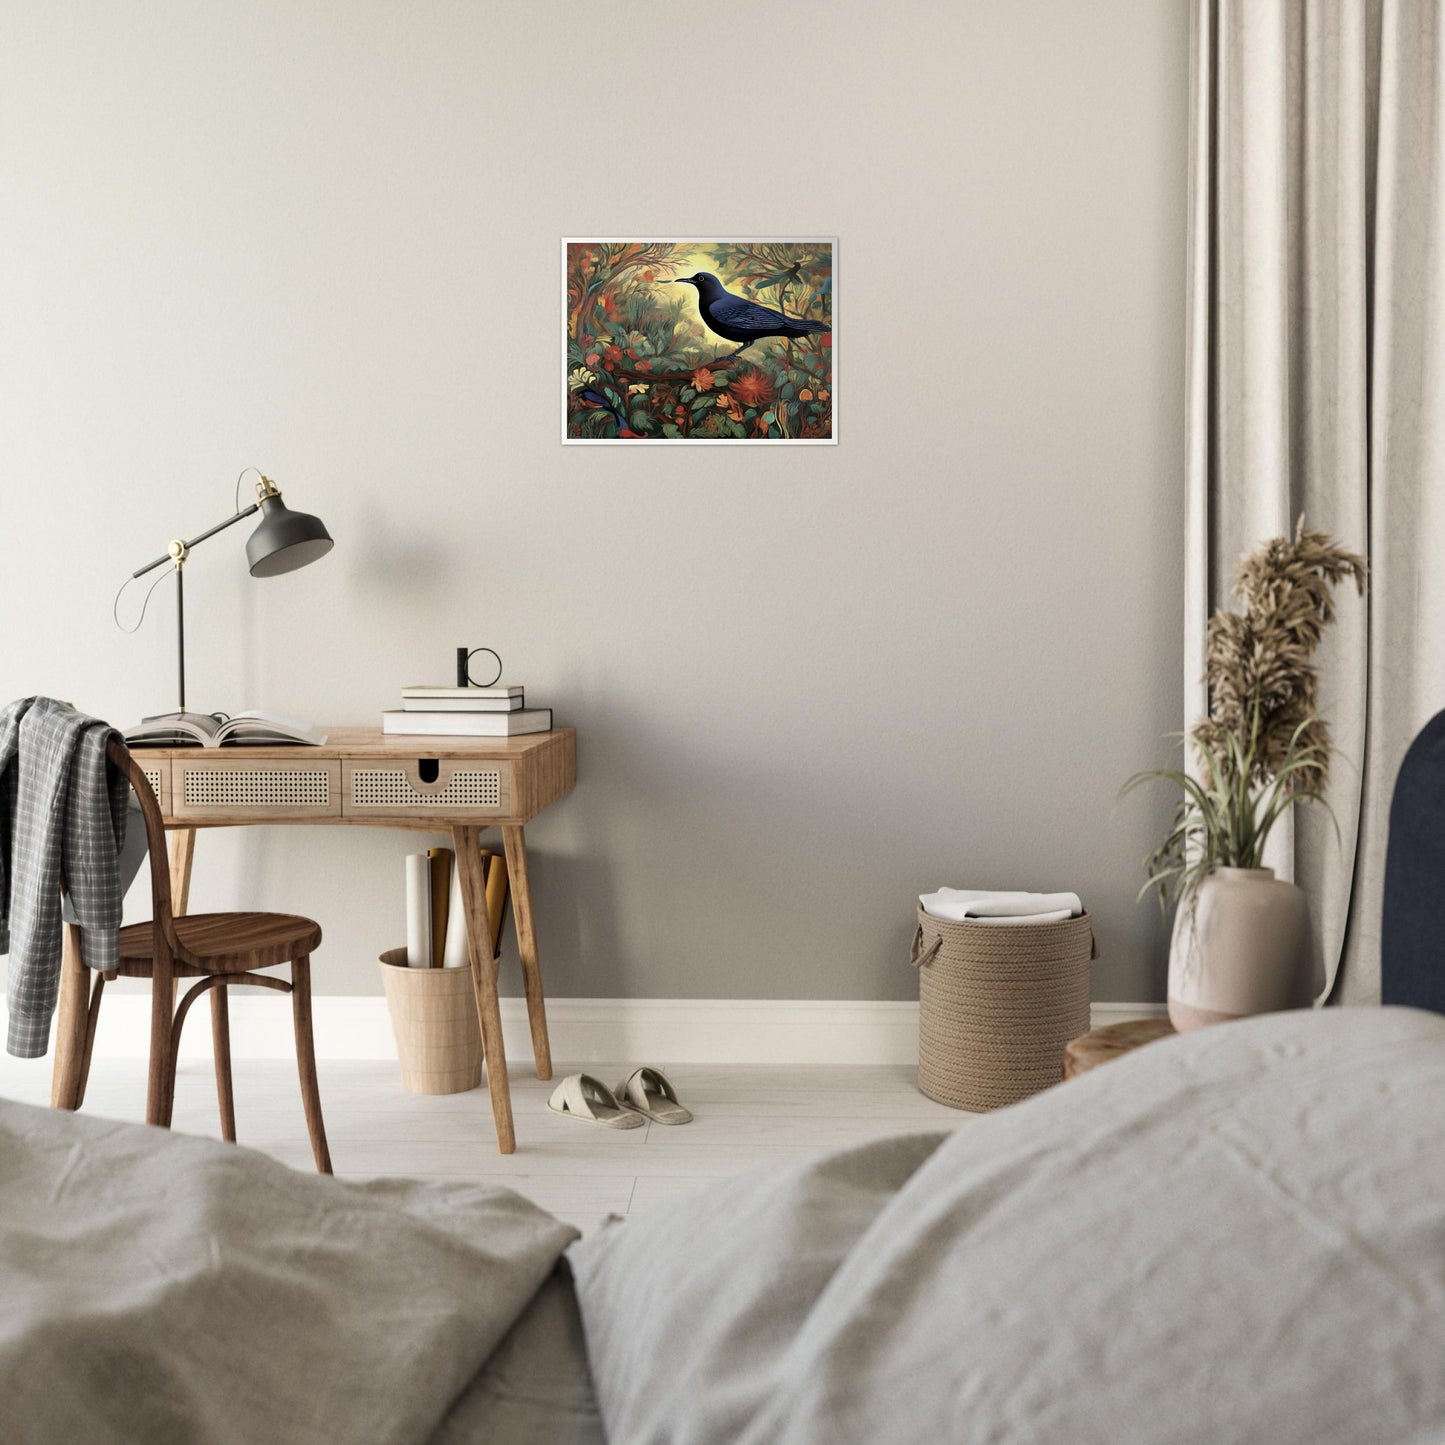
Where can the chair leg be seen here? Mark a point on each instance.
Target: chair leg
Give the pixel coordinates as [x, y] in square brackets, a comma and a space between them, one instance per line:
[161, 1083]
[92, 1018]
[306, 1060]
[70, 1023]
[221, 1048]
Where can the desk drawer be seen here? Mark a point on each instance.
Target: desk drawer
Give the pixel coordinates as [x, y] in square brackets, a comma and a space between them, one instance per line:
[158, 774]
[221, 787]
[411, 787]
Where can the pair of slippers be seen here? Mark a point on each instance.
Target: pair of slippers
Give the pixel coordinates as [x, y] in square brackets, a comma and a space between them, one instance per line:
[646, 1093]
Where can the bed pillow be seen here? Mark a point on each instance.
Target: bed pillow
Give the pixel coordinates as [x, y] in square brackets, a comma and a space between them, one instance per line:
[689, 1308]
[1238, 1234]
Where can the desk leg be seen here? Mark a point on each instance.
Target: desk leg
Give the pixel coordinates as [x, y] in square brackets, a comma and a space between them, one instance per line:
[183, 850]
[516, 847]
[70, 1023]
[467, 843]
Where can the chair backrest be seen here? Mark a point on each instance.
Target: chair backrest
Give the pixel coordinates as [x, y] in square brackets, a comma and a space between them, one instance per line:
[163, 921]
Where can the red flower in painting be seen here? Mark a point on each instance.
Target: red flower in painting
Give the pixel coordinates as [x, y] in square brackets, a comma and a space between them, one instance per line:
[702, 379]
[752, 388]
[827, 340]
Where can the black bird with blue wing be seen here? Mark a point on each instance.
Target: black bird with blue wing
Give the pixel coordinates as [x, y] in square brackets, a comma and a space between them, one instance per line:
[735, 318]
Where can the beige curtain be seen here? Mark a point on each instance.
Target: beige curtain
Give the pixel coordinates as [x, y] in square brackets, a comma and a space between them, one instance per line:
[1316, 384]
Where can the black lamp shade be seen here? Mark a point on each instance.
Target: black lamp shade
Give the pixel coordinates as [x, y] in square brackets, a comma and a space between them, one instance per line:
[285, 540]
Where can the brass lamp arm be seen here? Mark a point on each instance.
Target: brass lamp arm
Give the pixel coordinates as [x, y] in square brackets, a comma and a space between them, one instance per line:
[178, 551]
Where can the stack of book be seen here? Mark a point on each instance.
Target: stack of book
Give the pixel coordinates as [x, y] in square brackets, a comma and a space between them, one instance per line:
[466, 712]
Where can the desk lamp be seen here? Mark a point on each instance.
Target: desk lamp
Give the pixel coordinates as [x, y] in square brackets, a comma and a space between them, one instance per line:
[284, 541]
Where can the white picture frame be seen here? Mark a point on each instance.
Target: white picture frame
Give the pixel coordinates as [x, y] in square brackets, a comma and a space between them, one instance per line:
[797, 415]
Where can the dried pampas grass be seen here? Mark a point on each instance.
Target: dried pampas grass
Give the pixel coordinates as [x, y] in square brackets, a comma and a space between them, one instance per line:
[1264, 745]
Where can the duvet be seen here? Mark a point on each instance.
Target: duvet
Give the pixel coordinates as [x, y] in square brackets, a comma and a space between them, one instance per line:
[1238, 1235]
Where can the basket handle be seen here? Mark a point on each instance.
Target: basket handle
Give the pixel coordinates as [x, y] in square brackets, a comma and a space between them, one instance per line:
[919, 956]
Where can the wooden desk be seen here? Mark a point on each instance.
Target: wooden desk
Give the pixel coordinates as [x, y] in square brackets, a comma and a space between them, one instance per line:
[363, 779]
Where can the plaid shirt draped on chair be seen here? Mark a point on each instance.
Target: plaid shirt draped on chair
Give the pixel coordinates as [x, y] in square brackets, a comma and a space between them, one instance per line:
[62, 814]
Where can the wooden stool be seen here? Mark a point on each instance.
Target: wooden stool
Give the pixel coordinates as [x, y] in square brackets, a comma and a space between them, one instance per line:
[1111, 1042]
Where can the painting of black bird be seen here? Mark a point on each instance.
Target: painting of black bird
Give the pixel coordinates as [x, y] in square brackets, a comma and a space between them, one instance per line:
[668, 340]
[735, 318]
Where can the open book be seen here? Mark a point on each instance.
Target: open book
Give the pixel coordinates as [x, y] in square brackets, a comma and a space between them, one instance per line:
[216, 730]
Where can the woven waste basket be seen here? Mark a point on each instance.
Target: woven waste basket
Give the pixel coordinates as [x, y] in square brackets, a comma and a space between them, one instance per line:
[434, 1018]
[997, 1004]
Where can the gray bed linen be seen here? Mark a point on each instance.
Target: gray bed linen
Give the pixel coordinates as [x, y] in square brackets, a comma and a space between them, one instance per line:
[1237, 1235]
[535, 1389]
[165, 1289]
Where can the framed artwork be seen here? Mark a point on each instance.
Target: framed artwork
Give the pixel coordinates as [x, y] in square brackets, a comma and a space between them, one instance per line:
[701, 341]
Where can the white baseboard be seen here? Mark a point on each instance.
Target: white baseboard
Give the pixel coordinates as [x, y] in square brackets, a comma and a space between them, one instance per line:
[582, 1030]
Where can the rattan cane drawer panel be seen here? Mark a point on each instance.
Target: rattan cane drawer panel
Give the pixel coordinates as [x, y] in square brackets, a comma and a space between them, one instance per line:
[158, 774]
[383, 787]
[238, 787]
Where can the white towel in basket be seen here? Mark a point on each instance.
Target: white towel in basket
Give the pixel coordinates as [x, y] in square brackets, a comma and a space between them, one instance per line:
[983, 906]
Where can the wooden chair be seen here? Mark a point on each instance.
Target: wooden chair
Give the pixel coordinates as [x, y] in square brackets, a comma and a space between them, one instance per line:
[219, 950]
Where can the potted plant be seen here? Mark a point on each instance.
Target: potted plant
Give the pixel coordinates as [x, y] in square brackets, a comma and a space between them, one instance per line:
[1240, 943]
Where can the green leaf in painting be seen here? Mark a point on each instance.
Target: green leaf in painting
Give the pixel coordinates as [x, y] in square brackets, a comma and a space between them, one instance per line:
[687, 394]
[669, 430]
[769, 418]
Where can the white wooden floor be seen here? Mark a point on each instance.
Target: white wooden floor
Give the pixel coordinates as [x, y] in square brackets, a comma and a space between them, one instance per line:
[746, 1117]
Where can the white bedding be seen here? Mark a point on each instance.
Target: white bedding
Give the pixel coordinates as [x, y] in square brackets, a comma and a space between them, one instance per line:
[1234, 1236]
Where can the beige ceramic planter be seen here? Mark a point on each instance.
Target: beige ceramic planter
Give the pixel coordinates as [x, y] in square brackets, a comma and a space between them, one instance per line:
[1240, 947]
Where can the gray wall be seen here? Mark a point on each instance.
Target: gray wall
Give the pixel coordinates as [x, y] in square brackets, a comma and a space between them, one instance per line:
[807, 682]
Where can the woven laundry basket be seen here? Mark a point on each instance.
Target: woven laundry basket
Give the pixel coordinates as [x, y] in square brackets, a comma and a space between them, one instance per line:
[997, 1004]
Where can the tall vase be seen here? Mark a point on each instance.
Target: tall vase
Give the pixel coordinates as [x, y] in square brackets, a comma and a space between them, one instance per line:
[1240, 946]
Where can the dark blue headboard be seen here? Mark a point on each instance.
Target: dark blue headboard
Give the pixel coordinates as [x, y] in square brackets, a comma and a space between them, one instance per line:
[1412, 936]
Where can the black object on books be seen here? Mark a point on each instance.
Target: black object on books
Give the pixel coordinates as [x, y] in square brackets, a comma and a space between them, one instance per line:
[464, 666]
[216, 730]
[469, 724]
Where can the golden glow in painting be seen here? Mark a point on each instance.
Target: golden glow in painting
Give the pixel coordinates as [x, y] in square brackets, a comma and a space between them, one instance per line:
[699, 341]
